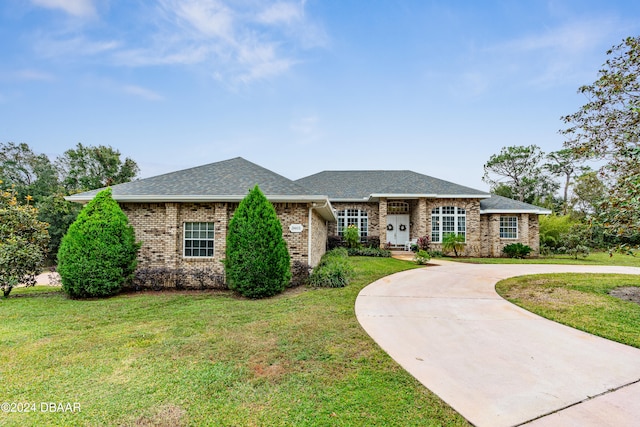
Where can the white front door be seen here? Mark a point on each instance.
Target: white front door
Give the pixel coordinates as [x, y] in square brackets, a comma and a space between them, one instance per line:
[398, 229]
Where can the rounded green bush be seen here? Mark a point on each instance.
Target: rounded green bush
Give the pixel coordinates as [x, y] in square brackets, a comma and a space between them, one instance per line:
[99, 252]
[257, 261]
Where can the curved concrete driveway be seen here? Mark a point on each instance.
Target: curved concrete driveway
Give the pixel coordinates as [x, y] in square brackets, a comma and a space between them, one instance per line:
[494, 363]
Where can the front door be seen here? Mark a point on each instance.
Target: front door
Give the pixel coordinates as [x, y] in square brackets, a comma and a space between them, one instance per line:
[398, 229]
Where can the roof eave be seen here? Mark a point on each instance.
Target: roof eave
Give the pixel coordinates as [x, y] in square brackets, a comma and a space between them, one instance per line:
[156, 198]
[377, 196]
[514, 211]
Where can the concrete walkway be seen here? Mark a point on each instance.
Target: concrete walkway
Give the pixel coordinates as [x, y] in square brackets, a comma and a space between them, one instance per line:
[494, 363]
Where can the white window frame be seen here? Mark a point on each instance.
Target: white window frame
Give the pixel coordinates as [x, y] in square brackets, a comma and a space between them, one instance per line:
[446, 220]
[189, 235]
[509, 227]
[359, 217]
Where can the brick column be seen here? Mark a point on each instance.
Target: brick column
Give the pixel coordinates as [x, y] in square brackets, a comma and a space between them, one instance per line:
[382, 208]
[524, 229]
[421, 226]
[494, 235]
[171, 235]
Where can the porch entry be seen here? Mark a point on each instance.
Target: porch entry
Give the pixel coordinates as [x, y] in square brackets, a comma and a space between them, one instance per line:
[398, 229]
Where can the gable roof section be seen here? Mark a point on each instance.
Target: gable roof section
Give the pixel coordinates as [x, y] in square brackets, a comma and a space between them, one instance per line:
[499, 204]
[228, 181]
[371, 184]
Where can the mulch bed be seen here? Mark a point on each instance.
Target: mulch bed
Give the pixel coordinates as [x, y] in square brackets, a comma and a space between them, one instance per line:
[627, 293]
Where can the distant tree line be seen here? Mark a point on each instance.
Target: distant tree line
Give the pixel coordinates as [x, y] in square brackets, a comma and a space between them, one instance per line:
[601, 207]
[43, 183]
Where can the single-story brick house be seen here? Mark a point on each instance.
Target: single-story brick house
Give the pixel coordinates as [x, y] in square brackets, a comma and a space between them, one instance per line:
[182, 217]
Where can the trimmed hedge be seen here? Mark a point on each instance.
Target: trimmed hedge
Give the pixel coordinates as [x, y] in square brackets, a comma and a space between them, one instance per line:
[258, 262]
[98, 255]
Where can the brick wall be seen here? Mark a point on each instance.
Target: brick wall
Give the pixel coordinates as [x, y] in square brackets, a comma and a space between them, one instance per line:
[160, 228]
[473, 234]
[373, 215]
[528, 234]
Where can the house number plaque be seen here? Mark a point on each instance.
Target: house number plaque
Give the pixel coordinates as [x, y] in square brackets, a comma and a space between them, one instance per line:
[296, 228]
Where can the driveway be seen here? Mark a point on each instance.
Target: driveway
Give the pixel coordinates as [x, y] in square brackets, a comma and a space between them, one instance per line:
[494, 363]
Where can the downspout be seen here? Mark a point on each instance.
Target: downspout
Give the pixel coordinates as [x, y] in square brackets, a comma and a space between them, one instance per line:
[309, 241]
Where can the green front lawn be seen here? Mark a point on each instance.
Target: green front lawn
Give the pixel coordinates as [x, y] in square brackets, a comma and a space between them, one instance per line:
[204, 358]
[580, 301]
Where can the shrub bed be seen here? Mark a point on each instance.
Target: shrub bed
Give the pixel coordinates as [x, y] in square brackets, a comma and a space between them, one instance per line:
[333, 271]
[373, 252]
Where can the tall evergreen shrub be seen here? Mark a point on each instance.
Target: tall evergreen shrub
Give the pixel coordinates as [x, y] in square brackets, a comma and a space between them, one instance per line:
[257, 259]
[99, 252]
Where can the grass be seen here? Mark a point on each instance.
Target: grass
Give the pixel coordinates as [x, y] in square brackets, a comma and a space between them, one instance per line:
[580, 301]
[595, 258]
[203, 358]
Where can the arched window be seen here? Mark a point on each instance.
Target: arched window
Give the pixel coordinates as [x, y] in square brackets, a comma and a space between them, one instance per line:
[447, 220]
[356, 217]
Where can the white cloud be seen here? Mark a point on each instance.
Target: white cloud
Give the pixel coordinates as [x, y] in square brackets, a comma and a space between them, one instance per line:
[31, 75]
[74, 46]
[282, 12]
[236, 42]
[209, 17]
[572, 38]
[142, 92]
[79, 8]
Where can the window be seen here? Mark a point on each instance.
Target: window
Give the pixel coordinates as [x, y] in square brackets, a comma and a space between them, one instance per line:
[508, 227]
[355, 217]
[198, 239]
[397, 208]
[447, 220]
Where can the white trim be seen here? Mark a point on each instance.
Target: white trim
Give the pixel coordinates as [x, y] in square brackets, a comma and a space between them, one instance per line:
[515, 211]
[184, 240]
[430, 196]
[505, 228]
[309, 241]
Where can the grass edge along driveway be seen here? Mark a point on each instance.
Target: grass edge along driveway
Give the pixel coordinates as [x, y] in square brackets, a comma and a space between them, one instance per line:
[581, 301]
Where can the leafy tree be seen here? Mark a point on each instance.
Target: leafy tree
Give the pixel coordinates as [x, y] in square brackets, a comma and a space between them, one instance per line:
[589, 194]
[257, 259]
[552, 227]
[608, 127]
[98, 255]
[565, 164]
[453, 242]
[30, 174]
[519, 168]
[23, 242]
[59, 214]
[88, 168]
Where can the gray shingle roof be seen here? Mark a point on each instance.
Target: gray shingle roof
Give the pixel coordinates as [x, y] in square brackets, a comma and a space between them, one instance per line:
[499, 204]
[234, 177]
[361, 185]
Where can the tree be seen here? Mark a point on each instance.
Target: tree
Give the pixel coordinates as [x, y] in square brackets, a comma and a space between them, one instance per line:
[99, 252]
[519, 168]
[59, 214]
[608, 127]
[88, 168]
[453, 242]
[31, 174]
[257, 259]
[564, 164]
[589, 194]
[23, 242]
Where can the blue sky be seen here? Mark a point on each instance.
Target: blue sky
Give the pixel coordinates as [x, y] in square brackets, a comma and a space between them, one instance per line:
[302, 86]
